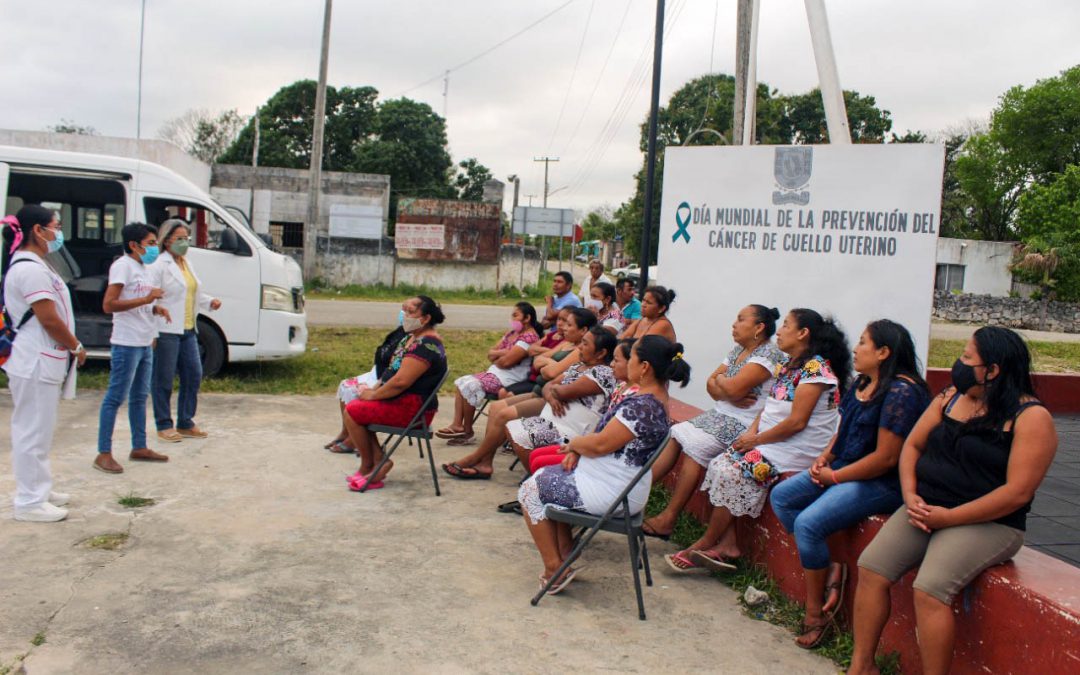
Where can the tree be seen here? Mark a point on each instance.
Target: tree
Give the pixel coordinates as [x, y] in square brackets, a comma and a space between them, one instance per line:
[470, 180]
[1040, 126]
[1048, 220]
[803, 120]
[203, 134]
[992, 182]
[68, 127]
[409, 144]
[599, 224]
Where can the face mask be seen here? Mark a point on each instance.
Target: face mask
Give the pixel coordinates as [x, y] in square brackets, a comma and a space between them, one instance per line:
[516, 326]
[56, 244]
[150, 255]
[179, 247]
[401, 317]
[963, 376]
[411, 324]
[593, 303]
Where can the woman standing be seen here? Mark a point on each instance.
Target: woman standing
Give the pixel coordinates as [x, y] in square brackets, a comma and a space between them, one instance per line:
[177, 344]
[968, 473]
[855, 477]
[36, 299]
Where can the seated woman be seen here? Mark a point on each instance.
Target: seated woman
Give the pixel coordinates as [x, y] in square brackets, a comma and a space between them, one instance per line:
[968, 472]
[794, 427]
[510, 363]
[599, 466]
[416, 368]
[350, 389]
[745, 376]
[602, 301]
[855, 477]
[653, 321]
[547, 345]
[479, 464]
[574, 401]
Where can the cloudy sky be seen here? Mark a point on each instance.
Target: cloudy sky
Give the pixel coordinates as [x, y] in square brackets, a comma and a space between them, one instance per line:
[933, 64]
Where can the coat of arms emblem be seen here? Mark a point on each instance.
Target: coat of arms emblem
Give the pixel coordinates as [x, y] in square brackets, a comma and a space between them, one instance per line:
[791, 169]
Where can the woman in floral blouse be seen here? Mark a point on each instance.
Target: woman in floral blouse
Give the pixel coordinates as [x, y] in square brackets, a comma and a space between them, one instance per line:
[739, 387]
[795, 426]
[599, 466]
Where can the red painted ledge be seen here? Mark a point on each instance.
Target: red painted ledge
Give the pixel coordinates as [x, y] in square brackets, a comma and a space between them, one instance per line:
[1060, 392]
[1020, 617]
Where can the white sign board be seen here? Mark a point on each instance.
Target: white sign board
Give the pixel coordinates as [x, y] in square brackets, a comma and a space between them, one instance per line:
[539, 221]
[413, 235]
[847, 230]
[356, 221]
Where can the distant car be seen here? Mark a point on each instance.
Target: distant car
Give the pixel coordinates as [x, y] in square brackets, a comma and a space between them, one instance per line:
[621, 272]
[654, 278]
[582, 258]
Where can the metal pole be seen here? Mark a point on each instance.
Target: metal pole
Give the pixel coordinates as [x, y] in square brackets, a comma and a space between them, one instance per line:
[254, 165]
[750, 118]
[311, 228]
[744, 14]
[650, 161]
[445, 94]
[138, 105]
[832, 95]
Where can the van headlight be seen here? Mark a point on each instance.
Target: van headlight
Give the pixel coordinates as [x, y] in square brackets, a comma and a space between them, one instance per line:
[277, 298]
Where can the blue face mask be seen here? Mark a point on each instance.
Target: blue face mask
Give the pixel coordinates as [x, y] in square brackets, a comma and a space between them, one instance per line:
[58, 243]
[150, 255]
[400, 317]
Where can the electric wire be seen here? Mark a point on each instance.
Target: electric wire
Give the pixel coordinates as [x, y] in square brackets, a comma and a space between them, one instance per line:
[573, 76]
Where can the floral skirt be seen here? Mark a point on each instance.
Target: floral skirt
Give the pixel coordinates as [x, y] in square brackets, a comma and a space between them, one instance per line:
[707, 435]
[550, 485]
[729, 486]
[533, 432]
[475, 388]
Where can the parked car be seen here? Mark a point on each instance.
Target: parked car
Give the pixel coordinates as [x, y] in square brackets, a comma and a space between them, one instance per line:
[262, 291]
[621, 272]
[654, 278]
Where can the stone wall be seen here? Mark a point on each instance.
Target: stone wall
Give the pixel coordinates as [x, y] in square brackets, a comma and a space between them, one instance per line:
[1061, 317]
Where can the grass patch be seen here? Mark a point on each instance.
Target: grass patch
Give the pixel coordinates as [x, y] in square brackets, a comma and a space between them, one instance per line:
[110, 541]
[133, 501]
[468, 296]
[38, 639]
[779, 609]
[1047, 357]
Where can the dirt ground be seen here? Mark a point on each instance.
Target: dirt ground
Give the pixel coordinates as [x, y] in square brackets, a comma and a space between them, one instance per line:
[257, 558]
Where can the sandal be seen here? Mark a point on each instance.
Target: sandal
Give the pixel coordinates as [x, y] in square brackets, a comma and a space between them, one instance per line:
[680, 562]
[357, 483]
[568, 576]
[340, 448]
[819, 632]
[462, 440]
[447, 432]
[648, 531]
[837, 580]
[458, 471]
[717, 563]
[510, 507]
[332, 443]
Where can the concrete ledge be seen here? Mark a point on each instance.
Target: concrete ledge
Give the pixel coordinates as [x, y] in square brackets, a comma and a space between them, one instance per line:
[1059, 391]
[1020, 617]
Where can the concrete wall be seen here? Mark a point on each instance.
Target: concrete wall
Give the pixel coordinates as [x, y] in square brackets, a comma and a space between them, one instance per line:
[344, 262]
[1063, 317]
[159, 152]
[986, 263]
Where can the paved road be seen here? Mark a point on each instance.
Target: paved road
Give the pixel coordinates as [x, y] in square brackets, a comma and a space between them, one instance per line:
[494, 317]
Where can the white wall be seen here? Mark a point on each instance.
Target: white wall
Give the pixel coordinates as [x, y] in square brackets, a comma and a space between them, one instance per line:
[986, 263]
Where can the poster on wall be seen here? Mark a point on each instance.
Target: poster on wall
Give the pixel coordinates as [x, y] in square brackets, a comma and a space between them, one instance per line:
[415, 236]
[848, 230]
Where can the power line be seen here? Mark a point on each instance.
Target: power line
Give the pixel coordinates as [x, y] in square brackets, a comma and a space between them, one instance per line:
[573, 75]
[487, 51]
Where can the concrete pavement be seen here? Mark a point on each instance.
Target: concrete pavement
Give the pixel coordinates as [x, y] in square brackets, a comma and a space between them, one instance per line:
[257, 558]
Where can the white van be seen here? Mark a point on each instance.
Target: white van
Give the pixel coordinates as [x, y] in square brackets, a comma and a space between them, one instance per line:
[262, 292]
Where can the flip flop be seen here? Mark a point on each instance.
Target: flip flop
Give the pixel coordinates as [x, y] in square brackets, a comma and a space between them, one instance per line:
[458, 471]
[333, 443]
[836, 584]
[823, 629]
[447, 432]
[647, 530]
[717, 564]
[356, 483]
[510, 507]
[463, 440]
[340, 448]
[680, 562]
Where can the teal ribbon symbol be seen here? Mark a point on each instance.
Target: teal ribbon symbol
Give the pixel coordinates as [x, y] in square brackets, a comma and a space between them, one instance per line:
[682, 219]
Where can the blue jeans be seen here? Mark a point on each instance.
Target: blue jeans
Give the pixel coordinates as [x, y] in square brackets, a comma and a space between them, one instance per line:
[129, 377]
[812, 513]
[176, 353]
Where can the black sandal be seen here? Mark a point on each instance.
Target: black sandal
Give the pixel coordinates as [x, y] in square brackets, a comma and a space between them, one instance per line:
[823, 629]
[510, 507]
[458, 471]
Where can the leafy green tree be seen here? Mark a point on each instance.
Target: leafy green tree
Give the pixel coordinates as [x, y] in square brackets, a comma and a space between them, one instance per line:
[1048, 220]
[1040, 126]
[470, 180]
[804, 118]
[409, 144]
[598, 224]
[992, 182]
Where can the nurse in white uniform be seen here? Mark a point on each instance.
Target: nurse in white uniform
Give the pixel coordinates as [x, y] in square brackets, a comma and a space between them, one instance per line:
[40, 357]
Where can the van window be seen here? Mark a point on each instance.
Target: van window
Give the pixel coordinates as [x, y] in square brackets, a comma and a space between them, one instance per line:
[91, 209]
[208, 229]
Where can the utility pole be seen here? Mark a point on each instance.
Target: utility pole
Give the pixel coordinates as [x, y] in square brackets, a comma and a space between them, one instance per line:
[517, 189]
[650, 162]
[832, 95]
[254, 166]
[311, 228]
[445, 93]
[546, 161]
[744, 14]
[138, 103]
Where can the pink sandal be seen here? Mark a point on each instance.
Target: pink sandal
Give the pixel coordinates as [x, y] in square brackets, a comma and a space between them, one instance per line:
[680, 562]
[358, 481]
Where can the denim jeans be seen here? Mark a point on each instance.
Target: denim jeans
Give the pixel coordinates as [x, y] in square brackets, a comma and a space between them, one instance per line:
[812, 513]
[129, 377]
[176, 353]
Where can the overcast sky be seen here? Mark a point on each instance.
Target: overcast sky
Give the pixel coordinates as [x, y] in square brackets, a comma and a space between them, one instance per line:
[933, 64]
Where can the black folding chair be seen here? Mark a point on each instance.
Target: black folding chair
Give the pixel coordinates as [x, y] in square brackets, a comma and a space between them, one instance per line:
[610, 521]
[417, 428]
[488, 398]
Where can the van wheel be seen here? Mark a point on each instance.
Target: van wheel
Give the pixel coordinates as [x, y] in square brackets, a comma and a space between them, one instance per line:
[211, 348]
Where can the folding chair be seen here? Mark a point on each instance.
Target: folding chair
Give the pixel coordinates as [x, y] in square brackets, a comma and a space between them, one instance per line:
[488, 398]
[610, 521]
[417, 428]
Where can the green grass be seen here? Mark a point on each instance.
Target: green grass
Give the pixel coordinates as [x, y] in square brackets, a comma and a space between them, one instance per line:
[133, 501]
[779, 609]
[110, 541]
[1047, 357]
[469, 296]
[38, 639]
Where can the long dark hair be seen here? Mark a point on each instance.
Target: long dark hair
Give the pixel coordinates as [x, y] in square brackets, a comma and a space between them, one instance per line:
[605, 341]
[901, 362]
[28, 216]
[827, 341]
[1005, 349]
[665, 357]
[529, 312]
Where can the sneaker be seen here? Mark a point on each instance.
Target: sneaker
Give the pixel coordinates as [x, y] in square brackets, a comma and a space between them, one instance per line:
[42, 513]
[193, 432]
[169, 436]
[59, 498]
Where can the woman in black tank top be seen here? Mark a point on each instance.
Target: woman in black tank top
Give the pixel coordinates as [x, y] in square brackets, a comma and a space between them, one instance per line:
[968, 471]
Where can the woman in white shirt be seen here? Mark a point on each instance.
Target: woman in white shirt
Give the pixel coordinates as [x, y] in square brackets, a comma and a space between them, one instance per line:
[37, 301]
[177, 347]
[130, 298]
